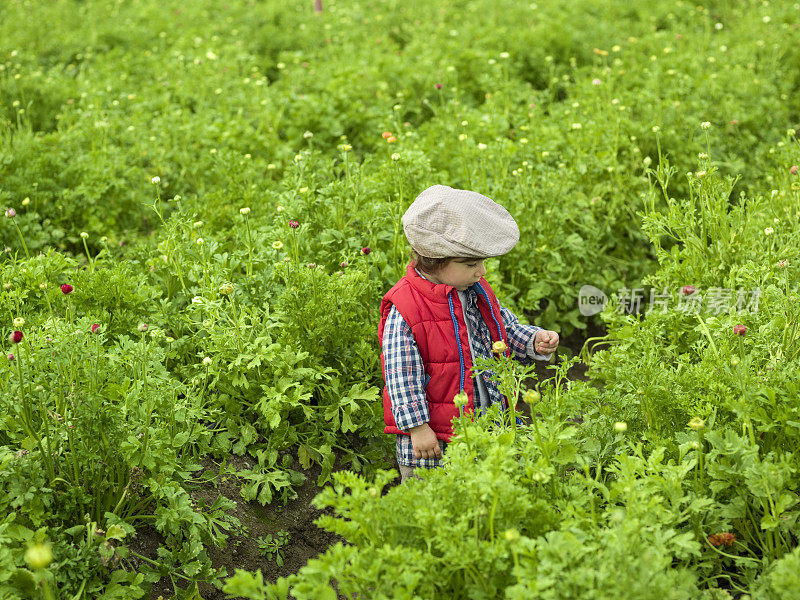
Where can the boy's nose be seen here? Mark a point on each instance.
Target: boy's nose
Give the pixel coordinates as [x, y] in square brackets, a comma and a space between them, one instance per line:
[481, 270]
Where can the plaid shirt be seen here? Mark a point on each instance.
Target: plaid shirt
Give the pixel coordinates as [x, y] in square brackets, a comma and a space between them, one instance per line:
[405, 371]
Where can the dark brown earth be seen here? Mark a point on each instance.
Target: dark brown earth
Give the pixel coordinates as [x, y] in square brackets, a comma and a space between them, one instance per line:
[296, 517]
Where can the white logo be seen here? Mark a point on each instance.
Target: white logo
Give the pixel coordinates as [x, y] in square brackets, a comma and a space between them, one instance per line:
[591, 300]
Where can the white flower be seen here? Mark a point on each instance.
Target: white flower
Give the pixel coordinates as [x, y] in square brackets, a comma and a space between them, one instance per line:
[19, 322]
[702, 156]
[199, 241]
[576, 125]
[705, 125]
[197, 224]
[769, 231]
[155, 180]
[656, 129]
[462, 136]
[395, 156]
[700, 174]
[308, 135]
[245, 210]
[482, 147]
[504, 55]
[647, 161]
[197, 300]
[298, 158]
[207, 361]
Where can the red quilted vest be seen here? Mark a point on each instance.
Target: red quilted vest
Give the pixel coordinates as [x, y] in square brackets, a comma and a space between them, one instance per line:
[434, 313]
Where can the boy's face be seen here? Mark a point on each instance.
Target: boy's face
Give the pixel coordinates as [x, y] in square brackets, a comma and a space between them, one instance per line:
[460, 273]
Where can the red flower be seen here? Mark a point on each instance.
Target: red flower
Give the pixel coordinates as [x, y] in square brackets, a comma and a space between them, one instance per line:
[15, 337]
[734, 122]
[386, 135]
[343, 264]
[688, 290]
[66, 289]
[96, 328]
[294, 224]
[739, 329]
[722, 539]
[794, 169]
[438, 86]
[365, 250]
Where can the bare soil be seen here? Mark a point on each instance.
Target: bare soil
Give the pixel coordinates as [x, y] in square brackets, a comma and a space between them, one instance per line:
[242, 552]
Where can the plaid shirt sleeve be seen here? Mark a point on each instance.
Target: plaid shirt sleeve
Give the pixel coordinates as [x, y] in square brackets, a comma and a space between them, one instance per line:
[404, 373]
[521, 338]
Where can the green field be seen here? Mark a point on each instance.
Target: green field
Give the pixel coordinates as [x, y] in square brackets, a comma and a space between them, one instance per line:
[183, 362]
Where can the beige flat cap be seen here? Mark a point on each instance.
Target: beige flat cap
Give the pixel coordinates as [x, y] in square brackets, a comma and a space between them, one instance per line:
[445, 222]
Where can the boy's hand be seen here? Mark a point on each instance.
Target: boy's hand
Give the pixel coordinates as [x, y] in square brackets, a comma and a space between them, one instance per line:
[545, 342]
[424, 442]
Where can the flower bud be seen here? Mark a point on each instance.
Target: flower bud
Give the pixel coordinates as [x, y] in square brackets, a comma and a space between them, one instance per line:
[39, 556]
[531, 397]
[10, 357]
[696, 423]
[15, 337]
[245, 210]
[142, 327]
[66, 289]
[294, 224]
[84, 235]
[461, 399]
[365, 250]
[155, 180]
[499, 347]
[19, 322]
[10, 213]
[688, 290]
[95, 328]
[511, 535]
[739, 329]
[620, 427]
[207, 361]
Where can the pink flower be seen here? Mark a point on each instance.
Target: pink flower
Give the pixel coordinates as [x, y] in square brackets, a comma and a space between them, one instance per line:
[15, 337]
[343, 264]
[365, 250]
[734, 122]
[739, 329]
[687, 290]
[66, 289]
[10, 213]
[96, 328]
[294, 224]
[794, 169]
[596, 81]
[386, 135]
[438, 86]
[10, 357]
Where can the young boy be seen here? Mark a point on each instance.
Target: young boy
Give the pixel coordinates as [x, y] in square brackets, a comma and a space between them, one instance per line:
[441, 315]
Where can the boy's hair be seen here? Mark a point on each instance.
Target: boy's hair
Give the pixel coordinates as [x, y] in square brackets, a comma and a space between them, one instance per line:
[434, 265]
